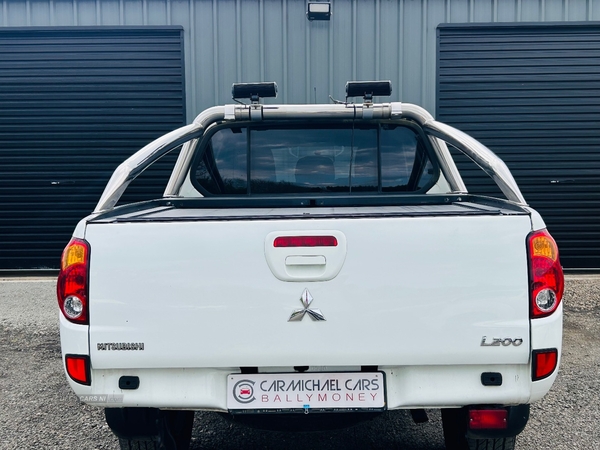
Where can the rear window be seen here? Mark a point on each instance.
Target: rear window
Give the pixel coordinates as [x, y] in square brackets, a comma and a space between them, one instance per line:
[332, 159]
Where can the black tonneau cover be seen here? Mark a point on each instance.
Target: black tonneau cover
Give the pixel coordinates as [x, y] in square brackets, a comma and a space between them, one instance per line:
[253, 209]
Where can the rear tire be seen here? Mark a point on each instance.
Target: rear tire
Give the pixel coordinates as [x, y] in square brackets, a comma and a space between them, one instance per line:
[455, 429]
[150, 428]
[454, 423]
[127, 444]
[492, 444]
[179, 426]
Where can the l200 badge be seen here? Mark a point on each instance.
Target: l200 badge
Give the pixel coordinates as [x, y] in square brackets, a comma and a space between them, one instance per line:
[497, 342]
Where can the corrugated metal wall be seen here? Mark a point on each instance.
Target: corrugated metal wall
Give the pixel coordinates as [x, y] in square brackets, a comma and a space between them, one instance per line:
[250, 40]
[532, 94]
[74, 104]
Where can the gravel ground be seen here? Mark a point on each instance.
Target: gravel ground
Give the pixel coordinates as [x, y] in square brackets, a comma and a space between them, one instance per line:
[38, 409]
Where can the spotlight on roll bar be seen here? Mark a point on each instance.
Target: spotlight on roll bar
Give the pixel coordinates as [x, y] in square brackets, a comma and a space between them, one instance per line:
[253, 91]
[368, 89]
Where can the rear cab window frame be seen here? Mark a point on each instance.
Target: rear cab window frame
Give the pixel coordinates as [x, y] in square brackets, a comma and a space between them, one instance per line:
[247, 127]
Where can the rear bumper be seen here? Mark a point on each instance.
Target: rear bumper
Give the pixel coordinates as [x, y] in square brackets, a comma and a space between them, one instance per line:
[406, 387]
[546, 333]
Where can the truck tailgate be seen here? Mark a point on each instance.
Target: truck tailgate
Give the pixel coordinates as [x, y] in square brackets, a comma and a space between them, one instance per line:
[410, 291]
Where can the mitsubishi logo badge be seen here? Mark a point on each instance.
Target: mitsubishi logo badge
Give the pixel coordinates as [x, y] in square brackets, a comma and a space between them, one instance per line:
[299, 314]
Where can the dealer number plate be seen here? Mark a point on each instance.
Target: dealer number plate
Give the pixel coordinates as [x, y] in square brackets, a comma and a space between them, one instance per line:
[306, 391]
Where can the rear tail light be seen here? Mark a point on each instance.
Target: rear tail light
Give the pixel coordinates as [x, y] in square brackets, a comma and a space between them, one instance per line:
[547, 280]
[495, 419]
[544, 363]
[78, 368]
[72, 284]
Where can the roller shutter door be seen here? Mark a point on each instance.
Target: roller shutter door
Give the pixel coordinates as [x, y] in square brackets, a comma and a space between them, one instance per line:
[532, 94]
[75, 103]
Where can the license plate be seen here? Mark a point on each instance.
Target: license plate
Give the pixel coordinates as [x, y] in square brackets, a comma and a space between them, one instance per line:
[306, 391]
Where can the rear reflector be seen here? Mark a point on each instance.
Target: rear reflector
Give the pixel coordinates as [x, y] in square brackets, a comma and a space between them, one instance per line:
[544, 363]
[305, 241]
[480, 419]
[78, 368]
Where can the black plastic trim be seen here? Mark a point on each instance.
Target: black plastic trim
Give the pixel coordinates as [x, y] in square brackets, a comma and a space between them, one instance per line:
[129, 382]
[491, 379]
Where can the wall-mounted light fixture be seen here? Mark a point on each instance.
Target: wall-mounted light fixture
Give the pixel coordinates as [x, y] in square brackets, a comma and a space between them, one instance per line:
[318, 11]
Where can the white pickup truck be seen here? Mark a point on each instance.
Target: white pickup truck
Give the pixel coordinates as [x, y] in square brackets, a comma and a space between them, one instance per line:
[311, 265]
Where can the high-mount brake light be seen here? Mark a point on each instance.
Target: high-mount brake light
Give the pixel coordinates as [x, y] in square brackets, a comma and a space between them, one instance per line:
[480, 419]
[544, 363]
[546, 276]
[78, 368]
[72, 284]
[305, 241]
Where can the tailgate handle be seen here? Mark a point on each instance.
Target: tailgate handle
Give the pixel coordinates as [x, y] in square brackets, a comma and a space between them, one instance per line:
[305, 255]
[305, 261]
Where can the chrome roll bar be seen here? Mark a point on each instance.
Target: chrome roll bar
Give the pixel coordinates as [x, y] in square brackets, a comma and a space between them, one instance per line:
[148, 155]
[188, 134]
[480, 155]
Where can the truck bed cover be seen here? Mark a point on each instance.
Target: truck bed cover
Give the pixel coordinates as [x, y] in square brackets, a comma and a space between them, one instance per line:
[172, 213]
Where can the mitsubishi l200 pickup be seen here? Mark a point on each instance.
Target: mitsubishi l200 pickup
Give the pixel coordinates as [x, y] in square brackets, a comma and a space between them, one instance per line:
[311, 265]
